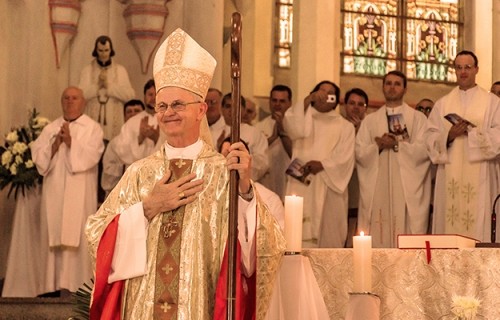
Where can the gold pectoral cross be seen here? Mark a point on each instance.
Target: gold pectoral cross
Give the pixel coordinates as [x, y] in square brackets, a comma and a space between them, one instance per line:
[169, 228]
[180, 163]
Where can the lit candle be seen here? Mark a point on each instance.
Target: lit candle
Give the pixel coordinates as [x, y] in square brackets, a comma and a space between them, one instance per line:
[293, 223]
[362, 246]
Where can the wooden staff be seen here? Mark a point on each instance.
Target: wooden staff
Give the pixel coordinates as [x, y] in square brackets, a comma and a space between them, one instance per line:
[234, 178]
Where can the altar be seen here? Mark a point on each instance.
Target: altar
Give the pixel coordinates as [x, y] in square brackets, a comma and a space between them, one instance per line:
[408, 286]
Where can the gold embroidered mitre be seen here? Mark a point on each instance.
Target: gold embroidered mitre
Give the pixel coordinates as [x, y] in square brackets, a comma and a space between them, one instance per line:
[181, 62]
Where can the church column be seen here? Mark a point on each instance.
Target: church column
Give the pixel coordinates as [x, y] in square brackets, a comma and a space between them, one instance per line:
[317, 41]
[496, 41]
[483, 37]
[203, 20]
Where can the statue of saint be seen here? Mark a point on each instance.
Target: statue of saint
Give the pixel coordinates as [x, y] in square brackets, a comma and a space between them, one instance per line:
[106, 87]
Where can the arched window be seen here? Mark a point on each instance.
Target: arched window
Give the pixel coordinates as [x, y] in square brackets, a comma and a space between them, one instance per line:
[284, 27]
[417, 37]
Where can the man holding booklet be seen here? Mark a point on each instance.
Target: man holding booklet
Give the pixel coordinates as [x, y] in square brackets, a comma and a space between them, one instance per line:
[463, 139]
[393, 168]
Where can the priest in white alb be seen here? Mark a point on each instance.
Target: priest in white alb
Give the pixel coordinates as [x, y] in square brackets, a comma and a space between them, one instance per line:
[324, 142]
[467, 154]
[66, 154]
[393, 168]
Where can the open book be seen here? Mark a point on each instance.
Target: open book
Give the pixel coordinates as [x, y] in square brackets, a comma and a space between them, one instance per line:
[455, 118]
[295, 170]
[397, 126]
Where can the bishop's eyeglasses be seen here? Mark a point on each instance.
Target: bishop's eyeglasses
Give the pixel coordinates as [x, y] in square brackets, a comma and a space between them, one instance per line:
[175, 106]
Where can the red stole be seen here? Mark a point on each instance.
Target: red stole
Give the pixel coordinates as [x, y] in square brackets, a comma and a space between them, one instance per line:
[107, 298]
[245, 299]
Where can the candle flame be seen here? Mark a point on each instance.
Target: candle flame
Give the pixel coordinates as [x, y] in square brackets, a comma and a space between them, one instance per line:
[362, 234]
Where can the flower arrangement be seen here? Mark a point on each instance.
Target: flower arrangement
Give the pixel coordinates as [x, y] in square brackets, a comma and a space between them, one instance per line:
[17, 168]
[465, 308]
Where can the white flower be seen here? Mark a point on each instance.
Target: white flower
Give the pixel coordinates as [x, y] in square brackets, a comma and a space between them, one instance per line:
[40, 122]
[19, 148]
[13, 169]
[465, 308]
[6, 158]
[11, 137]
[29, 164]
[19, 160]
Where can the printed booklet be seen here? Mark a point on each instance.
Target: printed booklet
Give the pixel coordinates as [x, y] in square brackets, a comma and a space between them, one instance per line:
[295, 170]
[397, 126]
[455, 118]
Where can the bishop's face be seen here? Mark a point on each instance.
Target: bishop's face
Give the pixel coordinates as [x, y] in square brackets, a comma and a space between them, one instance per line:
[181, 126]
[103, 51]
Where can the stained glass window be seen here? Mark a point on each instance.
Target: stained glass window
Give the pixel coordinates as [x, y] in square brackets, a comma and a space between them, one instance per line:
[284, 11]
[419, 38]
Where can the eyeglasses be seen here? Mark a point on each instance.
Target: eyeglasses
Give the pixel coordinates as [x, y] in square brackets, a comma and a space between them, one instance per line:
[175, 106]
[467, 67]
[211, 103]
[424, 109]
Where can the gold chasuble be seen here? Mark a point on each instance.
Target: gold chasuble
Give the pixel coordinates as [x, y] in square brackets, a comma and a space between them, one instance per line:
[185, 247]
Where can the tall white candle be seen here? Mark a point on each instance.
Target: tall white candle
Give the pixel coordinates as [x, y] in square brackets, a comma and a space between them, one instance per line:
[362, 246]
[294, 211]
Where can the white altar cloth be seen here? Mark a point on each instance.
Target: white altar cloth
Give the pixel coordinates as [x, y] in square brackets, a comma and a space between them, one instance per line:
[25, 264]
[296, 295]
[409, 287]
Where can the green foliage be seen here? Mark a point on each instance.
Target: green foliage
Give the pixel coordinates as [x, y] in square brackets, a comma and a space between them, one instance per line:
[82, 301]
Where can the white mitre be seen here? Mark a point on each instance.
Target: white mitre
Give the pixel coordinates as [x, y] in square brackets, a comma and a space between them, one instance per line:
[181, 62]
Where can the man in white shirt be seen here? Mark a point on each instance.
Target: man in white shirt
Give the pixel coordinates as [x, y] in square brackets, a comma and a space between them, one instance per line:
[324, 142]
[66, 154]
[355, 106]
[393, 168]
[160, 236]
[280, 145]
[249, 112]
[216, 122]
[140, 136]
[112, 166]
[256, 140]
[467, 154]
